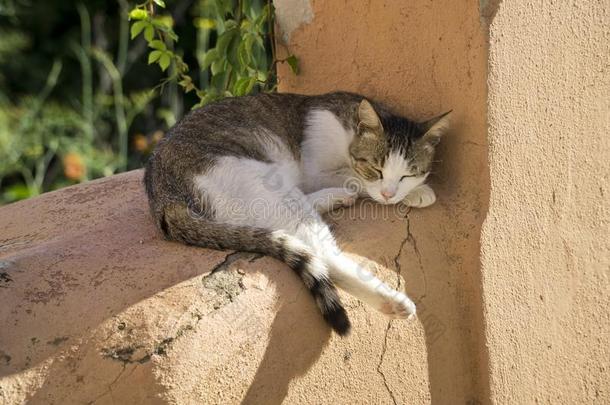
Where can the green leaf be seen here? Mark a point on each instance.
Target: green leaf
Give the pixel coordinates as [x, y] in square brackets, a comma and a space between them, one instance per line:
[261, 20]
[156, 44]
[246, 24]
[172, 35]
[261, 76]
[163, 22]
[187, 83]
[160, 3]
[240, 86]
[164, 61]
[294, 64]
[154, 56]
[218, 66]
[181, 67]
[230, 24]
[137, 27]
[18, 192]
[149, 33]
[259, 42]
[244, 53]
[244, 86]
[210, 57]
[206, 96]
[223, 41]
[201, 93]
[232, 51]
[250, 85]
[138, 14]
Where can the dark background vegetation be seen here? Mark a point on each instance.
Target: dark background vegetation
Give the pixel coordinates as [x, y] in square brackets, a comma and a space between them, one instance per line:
[85, 94]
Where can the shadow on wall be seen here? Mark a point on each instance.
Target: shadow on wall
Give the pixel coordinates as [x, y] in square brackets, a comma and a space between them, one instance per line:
[282, 362]
[79, 267]
[100, 304]
[422, 58]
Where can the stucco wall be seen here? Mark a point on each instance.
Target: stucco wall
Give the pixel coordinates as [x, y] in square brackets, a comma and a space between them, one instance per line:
[422, 58]
[545, 251]
[544, 261]
[511, 310]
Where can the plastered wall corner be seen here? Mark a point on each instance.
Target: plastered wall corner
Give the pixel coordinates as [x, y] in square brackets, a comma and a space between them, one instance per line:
[545, 252]
[290, 15]
[488, 10]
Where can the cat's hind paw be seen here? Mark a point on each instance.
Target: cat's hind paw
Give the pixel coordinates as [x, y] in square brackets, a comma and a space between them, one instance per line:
[420, 197]
[398, 306]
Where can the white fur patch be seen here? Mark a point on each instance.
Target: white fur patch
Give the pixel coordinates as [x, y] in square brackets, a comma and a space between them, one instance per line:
[249, 192]
[325, 149]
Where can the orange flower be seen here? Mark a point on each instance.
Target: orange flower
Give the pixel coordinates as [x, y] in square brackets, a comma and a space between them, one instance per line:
[140, 143]
[74, 167]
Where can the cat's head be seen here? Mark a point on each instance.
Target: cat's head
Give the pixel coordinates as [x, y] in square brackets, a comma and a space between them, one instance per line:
[393, 158]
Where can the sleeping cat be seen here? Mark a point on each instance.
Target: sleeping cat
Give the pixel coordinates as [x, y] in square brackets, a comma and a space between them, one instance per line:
[256, 173]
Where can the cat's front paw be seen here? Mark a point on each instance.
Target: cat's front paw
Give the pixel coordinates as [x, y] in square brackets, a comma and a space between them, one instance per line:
[420, 197]
[398, 305]
[349, 199]
[346, 198]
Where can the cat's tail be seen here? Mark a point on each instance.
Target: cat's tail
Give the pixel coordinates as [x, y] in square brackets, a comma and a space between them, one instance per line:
[178, 223]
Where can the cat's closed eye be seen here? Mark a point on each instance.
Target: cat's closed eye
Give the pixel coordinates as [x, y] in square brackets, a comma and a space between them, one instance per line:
[407, 175]
[368, 168]
[375, 170]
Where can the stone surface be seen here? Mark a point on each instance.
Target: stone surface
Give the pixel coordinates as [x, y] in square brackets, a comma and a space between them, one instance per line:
[546, 249]
[96, 308]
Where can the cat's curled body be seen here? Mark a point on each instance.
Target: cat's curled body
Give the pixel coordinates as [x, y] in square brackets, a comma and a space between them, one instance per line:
[255, 174]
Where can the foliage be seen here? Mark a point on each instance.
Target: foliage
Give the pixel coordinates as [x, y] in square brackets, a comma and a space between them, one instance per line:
[78, 99]
[238, 62]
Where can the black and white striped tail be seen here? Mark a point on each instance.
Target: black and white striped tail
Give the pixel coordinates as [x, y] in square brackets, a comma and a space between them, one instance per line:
[314, 274]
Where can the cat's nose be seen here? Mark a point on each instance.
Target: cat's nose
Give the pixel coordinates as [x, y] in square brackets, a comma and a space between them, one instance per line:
[387, 194]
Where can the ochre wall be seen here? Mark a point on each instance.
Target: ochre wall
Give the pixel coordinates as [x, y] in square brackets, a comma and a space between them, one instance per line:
[96, 308]
[102, 309]
[422, 58]
[545, 243]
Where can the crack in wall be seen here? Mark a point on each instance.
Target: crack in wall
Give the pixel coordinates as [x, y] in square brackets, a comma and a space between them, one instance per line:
[109, 387]
[215, 281]
[227, 284]
[398, 267]
[229, 259]
[124, 354]
[413, 242]
[379, 371]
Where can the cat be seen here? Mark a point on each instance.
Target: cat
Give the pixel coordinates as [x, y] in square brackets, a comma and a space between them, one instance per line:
[256, 173]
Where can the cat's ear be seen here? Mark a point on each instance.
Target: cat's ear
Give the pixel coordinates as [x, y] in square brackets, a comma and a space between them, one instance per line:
[367, 116]
[434, 128]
